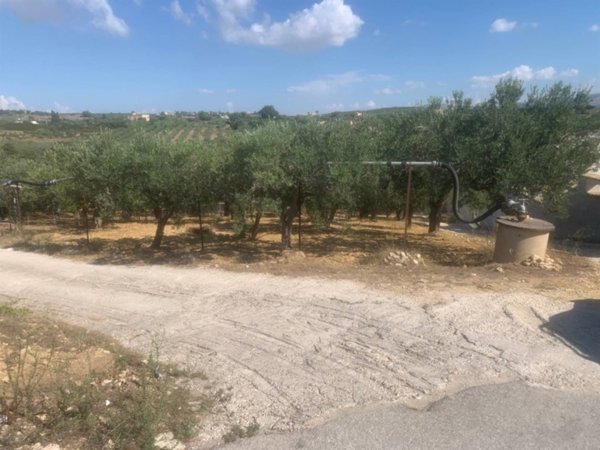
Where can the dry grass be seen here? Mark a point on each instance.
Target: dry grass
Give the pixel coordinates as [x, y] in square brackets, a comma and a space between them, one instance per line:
[60, 383]
[347, 241]
[350, 248]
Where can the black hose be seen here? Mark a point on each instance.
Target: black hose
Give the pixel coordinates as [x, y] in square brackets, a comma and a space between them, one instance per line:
[455, 194]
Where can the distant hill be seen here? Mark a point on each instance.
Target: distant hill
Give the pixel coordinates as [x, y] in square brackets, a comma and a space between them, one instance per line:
[595, 100]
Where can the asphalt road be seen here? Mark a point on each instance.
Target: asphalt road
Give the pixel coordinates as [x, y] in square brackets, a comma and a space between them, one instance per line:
[506, 416]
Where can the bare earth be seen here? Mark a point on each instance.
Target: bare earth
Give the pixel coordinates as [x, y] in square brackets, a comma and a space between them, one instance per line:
[294, 351]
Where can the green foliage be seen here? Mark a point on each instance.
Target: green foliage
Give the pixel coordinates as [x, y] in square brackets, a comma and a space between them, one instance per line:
[533, 145]
[54, 118]
[268, 112]
[538, 148]
[12, 311]
[240, 432]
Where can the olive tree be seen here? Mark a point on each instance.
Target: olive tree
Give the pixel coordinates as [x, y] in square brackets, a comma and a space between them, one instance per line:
[158, 172]
[534, 148]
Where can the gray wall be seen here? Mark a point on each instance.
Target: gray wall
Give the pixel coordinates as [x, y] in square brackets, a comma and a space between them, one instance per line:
[583, 217]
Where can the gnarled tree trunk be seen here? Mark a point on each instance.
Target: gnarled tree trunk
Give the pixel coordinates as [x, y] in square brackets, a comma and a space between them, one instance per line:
[435, 213]
[162, 217]
[288, 214]
[255, 224]
[289, 210]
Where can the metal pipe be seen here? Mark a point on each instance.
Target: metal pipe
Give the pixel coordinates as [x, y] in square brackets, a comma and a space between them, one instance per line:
[407, 213]
[46, 183]
[403, 163]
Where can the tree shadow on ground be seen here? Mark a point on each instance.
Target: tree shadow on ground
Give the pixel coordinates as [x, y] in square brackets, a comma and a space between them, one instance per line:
[579, 328]
[368, 241]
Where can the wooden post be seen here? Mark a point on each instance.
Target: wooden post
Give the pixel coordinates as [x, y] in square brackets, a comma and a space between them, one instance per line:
[201, 229]
[299, 204]
[84, 209]
[407, 213]
[18, 218]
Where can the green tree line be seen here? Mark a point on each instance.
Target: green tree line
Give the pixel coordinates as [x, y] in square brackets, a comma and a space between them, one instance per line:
[535, 146]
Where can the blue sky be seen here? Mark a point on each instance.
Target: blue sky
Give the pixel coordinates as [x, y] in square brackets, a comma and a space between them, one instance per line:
[298, 55]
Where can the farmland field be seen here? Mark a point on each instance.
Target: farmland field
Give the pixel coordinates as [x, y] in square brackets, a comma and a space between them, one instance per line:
[24, 135]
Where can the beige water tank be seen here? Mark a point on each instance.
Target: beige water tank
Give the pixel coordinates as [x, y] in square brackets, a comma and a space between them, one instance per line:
[516, 241]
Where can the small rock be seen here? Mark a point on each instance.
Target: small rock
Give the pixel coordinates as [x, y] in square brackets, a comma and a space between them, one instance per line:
[39, 446]
[546, 263]
[167, 441]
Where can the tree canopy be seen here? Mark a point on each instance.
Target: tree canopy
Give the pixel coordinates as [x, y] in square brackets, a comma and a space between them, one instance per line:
[532, 144]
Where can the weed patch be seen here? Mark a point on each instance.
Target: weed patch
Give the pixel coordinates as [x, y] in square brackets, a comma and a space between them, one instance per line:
[62, 384]
[239, 432]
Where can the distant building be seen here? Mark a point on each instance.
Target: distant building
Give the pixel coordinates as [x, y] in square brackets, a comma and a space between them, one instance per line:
[139, 116]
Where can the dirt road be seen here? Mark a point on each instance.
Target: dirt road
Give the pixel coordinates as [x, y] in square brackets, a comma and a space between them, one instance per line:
[293, 351]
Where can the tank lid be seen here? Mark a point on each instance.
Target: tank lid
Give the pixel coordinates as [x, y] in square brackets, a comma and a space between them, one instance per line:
[527, 224]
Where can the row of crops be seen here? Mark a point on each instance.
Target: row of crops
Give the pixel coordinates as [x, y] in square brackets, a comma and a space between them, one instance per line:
[502, 147]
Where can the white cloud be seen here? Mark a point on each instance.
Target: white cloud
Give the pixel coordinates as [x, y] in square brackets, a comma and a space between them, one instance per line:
[231, 91]
[63, 109]
[10, 102]
[229, 106]
[379, 77]
[333, 83]
[595, 28]
[328, 84]
[102, 16]
[387, 91]
[502, 25]
[371, 104]
[100, 12]
[547, 73]
[179, 14]
[336, 107]
[202, 11]
[329, 23]
[206, 91]
[415, 84]
[523, 72]
[44, 10]
[569, 73]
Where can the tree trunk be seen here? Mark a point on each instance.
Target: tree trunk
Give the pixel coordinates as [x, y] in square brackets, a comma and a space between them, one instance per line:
[289, 211]
[162, 218]
[411, 213]
[435, 214]
[201, 226]
[287, 220]
[255, 223]
[331, 217]
[400, 213]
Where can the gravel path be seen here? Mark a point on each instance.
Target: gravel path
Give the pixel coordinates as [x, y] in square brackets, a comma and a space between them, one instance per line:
[293, 351]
